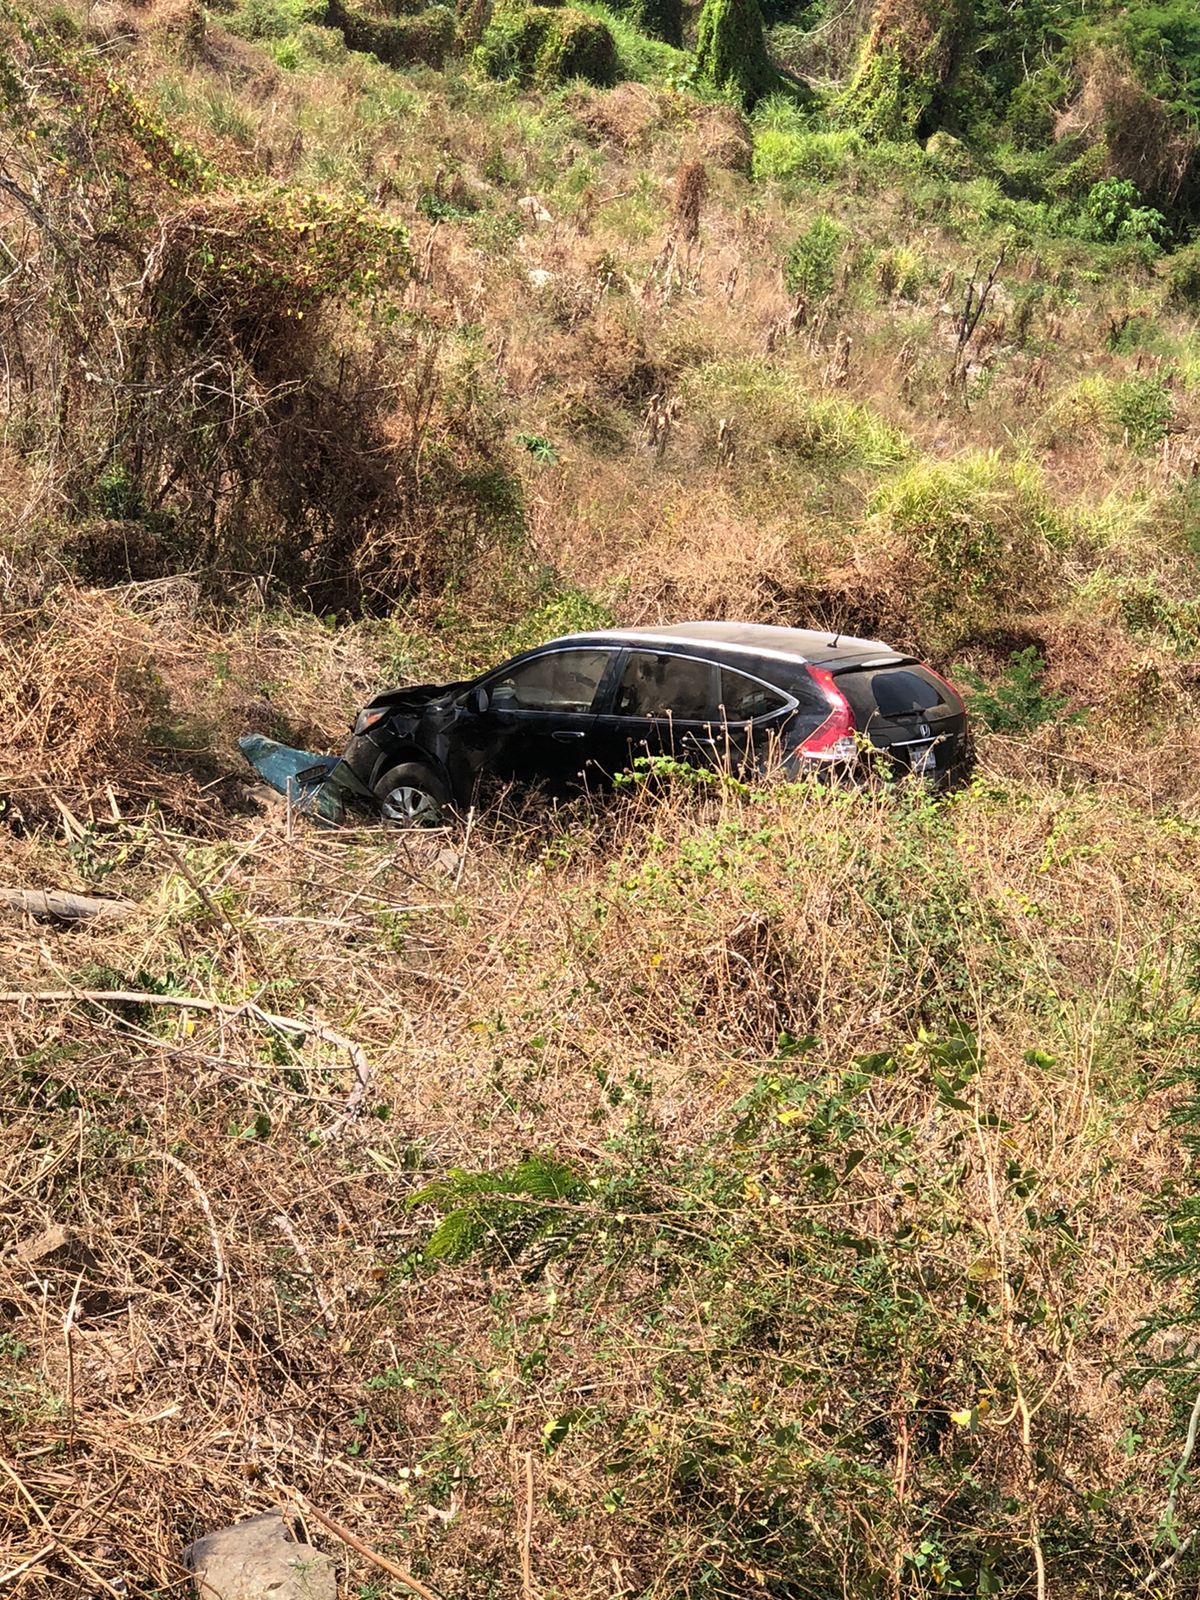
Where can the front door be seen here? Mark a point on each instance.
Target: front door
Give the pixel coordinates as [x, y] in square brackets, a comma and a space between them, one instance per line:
[538, 724]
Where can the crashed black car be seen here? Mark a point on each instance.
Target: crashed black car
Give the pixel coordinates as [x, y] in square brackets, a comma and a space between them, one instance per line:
[576, 711]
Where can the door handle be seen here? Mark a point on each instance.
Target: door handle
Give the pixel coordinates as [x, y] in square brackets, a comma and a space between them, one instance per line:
[565, 734]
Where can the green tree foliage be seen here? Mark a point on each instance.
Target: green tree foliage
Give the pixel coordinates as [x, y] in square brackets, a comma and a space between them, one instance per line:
[731, 53]
[541, 46]
[907, 65]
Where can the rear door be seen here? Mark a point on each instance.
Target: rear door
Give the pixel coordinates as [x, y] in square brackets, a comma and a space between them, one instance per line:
[658, 703]
[754, 716]
[910, 712]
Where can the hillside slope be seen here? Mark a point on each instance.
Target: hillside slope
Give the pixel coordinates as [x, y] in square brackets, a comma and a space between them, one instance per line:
[695, 1194]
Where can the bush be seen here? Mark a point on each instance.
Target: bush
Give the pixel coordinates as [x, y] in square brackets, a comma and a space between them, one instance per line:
[781, 153]
[1141, 409]
[771, 412]
[974, 537]
[731, 53]
[1183, 278]
[544, 45]
[400, 41]
[1116, 215]
[1017, 702]
[812, 261]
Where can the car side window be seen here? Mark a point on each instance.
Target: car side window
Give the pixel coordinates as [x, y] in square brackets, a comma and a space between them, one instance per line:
[657, 684]
[562, 680]
[743, 698]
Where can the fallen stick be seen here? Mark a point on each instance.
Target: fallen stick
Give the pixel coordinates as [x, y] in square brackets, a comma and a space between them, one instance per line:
[182, 1002]
[59, 905]
[414, 1585]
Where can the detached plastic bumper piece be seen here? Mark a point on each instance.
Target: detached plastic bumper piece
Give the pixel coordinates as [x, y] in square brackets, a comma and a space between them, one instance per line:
[299, 774]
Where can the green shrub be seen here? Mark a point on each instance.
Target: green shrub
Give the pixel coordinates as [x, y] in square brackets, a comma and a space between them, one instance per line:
[1183, 278]
[900, 272]
[274, 19]
[1017, 702]
[951, 156]
[641, 57]
[1116, 215]
[974, 538]
[731, 53]
[782, 153]
[1141, 408]
[544, 45]
[811, 265]
[772, 412]
[1134, 410]
[399, 41]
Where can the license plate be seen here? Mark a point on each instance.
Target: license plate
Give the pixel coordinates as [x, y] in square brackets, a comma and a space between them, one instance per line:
[921, 760]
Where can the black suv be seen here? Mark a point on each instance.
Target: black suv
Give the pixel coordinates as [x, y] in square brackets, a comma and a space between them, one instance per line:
[581, 708]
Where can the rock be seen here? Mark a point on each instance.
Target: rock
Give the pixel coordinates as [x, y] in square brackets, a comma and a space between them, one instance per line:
[55, 1246]
[259, 1560]
[539, 277]
[532, 209]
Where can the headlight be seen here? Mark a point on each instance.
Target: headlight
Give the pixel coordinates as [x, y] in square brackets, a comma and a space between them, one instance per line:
[368, 718]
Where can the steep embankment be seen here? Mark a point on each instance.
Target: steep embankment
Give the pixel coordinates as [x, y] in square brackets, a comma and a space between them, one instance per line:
[704, 1195]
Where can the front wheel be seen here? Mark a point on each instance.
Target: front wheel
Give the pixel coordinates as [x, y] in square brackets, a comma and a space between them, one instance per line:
[411, 796]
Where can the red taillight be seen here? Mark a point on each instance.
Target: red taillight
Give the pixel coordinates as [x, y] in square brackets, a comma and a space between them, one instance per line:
[834, 739]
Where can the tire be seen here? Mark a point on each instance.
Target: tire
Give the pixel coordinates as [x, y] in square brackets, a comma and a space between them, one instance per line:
[412, 796]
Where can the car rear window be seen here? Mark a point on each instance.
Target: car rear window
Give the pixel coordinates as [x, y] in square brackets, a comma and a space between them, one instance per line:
[563, 680]
[658, 684]
[743, 699]
[894, 693]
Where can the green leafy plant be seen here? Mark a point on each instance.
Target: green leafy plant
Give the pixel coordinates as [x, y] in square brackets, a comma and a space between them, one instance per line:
[1017, 701]
[811, 265]
[529, 1212]
[1115, 213]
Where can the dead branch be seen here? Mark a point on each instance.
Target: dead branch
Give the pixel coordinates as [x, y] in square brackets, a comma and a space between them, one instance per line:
[182, 1002]
[384, 1563]
[60, 905]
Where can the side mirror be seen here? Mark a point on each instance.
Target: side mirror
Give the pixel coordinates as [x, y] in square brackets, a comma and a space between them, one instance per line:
[477, 702]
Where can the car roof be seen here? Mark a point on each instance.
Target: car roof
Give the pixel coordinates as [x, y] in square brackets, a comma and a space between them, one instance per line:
[808, 645]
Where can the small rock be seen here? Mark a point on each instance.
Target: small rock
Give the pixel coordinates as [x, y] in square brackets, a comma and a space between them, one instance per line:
[257, 1559]
[55, 1246]
[532, 209]
[539, 277]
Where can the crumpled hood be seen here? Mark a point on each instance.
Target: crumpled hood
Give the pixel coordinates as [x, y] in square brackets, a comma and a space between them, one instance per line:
[414, 697]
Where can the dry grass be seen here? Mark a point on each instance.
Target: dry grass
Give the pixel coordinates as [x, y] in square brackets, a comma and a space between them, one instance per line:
[239, 1319]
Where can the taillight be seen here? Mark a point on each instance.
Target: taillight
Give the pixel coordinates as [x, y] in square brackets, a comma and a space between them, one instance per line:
[834, 739]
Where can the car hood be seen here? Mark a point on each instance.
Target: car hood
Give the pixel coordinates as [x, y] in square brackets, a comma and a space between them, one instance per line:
[416, 697]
